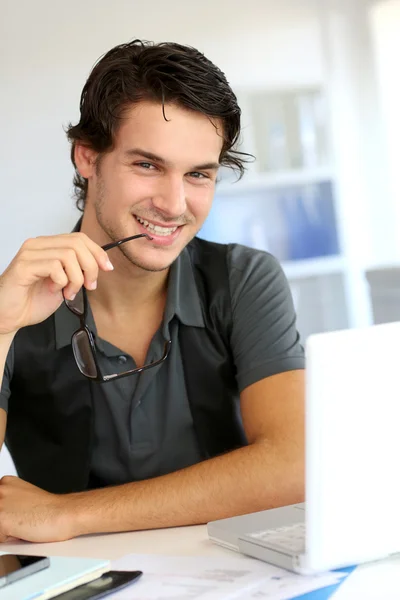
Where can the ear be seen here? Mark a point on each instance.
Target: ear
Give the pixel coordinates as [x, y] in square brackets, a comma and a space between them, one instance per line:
[85, 160]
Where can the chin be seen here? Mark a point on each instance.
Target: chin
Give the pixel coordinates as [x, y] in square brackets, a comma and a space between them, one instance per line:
[155, 263]
[153, 266]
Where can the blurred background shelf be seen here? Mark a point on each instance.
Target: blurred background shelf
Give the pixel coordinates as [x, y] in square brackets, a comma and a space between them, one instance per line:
[286, 203]
[314, 267]
[298, 202]
[270, 180]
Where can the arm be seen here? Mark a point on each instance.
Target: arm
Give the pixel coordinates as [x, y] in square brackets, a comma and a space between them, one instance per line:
[31, 290]
[5, 343]
[3, 424]
[267, 473]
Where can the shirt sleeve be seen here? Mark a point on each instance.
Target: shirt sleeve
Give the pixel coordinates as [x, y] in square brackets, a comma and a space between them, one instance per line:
[264, 338]
[5, 391]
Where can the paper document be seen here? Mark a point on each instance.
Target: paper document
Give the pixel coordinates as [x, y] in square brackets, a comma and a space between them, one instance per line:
[212, 578]
[378, 580]
[290, 586]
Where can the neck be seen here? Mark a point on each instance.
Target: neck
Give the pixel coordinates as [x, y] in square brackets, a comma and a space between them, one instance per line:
[119, 290]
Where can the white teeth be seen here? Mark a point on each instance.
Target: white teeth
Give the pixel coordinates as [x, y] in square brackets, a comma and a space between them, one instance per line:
[156, 228]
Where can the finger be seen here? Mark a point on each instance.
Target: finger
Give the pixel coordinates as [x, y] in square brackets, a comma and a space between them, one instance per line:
[78, 241]
[30, 272]
[88, 250]
[80, 269]
[88, 265]
[73, 272]
[76, 261]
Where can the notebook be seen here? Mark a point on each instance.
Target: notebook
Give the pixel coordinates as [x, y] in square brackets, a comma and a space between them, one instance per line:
[352, 446]
[64, 573]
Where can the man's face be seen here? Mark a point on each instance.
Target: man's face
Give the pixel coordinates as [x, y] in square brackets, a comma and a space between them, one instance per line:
[159, 179]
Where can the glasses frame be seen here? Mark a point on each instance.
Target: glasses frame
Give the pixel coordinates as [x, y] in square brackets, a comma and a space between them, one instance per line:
[89, 335]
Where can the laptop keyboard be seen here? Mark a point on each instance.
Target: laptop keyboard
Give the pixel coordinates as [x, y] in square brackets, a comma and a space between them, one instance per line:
[289, 539]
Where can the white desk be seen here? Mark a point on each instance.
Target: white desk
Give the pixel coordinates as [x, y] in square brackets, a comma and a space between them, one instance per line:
[378, 581]
[181, 541]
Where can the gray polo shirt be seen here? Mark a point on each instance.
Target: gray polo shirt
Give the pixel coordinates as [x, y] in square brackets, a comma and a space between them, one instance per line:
[143, 426]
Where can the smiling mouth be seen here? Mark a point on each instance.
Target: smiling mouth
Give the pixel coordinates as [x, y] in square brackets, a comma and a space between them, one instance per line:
[156, 229]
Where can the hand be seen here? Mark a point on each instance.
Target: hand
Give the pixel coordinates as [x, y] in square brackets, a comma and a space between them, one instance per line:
[31, 286]
[31, 514]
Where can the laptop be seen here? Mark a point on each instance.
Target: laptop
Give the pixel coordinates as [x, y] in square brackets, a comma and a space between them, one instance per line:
[352, 509]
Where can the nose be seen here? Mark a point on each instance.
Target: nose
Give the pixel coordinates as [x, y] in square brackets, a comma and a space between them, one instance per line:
[170, 198]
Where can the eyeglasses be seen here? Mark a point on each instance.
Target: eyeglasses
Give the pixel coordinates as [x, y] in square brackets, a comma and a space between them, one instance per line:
[82, 340]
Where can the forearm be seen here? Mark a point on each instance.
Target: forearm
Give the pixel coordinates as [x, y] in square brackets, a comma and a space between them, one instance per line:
[249, 479]
[5, 344]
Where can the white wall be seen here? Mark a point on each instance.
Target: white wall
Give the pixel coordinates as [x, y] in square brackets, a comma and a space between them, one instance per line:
[385, 22]
[47, 48]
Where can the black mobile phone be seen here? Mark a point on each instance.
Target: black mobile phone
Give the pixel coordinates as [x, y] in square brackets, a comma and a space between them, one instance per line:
[16, 566]
[98, 588]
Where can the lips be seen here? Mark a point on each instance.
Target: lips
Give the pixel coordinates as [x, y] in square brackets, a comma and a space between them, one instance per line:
[162, 236]
[155, 228]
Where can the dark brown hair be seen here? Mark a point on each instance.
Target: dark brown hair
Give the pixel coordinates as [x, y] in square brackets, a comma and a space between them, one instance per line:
[164, 73]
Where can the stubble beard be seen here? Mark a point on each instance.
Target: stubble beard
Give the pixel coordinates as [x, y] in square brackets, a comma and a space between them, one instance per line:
[113, 234]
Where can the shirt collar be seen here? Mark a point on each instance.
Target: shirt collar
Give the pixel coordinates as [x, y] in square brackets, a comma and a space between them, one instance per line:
[183, 301]
[183, 297]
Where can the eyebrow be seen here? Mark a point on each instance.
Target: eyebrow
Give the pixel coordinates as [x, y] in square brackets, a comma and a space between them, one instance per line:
[139, 152]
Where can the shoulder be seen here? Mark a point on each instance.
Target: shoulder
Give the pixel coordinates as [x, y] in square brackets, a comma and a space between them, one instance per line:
[254, 272]
[245, 260]
[235, 267]
[236, 256]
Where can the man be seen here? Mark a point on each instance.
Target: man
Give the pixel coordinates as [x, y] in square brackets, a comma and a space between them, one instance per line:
[206, 420]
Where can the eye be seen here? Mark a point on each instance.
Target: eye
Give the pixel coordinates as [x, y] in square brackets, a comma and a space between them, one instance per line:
[198, 175]
[145, 165]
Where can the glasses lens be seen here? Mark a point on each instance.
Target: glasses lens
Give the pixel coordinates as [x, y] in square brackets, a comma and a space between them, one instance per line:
[77, 305]
[83, 353]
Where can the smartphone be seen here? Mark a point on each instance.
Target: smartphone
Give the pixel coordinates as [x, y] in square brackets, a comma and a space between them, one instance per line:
[16, 566]
[98, 588]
